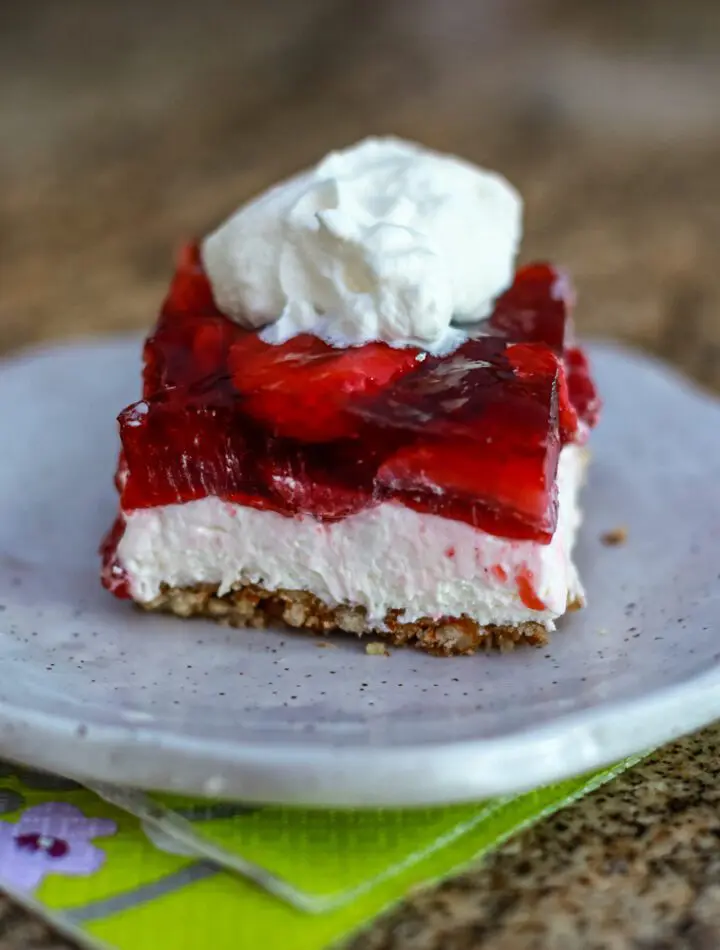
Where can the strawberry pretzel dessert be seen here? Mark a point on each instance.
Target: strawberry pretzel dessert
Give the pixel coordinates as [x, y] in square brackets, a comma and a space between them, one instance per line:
[358, 416]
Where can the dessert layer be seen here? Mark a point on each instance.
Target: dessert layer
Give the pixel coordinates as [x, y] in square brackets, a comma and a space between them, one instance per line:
[253, 606]
[381, 559]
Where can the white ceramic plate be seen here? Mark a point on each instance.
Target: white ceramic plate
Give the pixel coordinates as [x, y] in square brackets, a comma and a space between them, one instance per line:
[89, 687]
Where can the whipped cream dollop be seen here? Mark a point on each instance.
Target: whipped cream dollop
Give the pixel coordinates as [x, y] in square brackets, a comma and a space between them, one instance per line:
[385, 240]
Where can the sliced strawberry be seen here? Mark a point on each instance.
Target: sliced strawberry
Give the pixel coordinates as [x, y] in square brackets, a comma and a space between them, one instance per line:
[301, 389]
[537, 307]
[531, 360]
[211, 344]
[476, 393]
[186, 349]
[302, 492]
[190, 291]
[581, 387]
[443, 396]
[192, 337]
[511, 491]
[491, 446]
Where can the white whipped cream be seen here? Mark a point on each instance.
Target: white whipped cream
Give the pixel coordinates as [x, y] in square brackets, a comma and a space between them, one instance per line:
[385, 240]
[381, 558]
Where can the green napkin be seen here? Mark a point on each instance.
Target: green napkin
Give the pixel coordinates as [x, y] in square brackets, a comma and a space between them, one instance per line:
[121, 869]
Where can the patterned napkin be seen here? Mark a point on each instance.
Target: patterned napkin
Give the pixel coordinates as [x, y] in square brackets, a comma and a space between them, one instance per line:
[117, 868]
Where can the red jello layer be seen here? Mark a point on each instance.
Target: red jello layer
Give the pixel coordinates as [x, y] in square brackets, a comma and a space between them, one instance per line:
[305, 428]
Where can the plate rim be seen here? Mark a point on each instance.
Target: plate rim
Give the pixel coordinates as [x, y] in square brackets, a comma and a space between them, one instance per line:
[317, 776]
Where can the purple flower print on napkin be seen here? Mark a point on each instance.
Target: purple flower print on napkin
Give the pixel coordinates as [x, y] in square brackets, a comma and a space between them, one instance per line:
[50, 838]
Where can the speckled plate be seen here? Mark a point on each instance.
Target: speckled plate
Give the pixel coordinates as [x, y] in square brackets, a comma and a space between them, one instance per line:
[89, 687]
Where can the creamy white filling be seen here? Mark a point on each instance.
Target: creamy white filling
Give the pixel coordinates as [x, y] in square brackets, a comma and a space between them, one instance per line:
[382, 558]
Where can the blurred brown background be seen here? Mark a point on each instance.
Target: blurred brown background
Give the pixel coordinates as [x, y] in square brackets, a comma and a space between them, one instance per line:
[127, 126]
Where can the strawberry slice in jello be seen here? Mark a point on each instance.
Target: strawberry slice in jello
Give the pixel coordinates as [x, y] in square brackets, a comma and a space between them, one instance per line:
[487, 437]
[301, 389]
[536, 308]
[512, 495]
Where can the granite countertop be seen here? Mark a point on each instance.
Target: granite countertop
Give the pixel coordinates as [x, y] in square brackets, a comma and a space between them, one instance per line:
[127, 127]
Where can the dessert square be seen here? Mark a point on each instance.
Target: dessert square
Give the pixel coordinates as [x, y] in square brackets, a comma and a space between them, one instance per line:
[423, 489]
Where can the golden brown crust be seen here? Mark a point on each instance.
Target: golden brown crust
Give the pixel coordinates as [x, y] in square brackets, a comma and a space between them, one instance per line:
[252, 606]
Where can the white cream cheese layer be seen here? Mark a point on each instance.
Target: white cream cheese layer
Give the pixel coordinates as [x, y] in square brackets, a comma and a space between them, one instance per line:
[382, 558]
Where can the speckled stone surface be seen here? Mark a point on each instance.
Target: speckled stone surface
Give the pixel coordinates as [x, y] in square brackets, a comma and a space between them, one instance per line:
[128, 126]
[635, 866]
